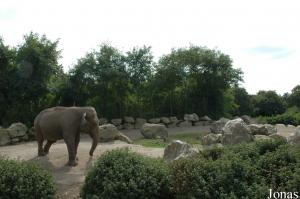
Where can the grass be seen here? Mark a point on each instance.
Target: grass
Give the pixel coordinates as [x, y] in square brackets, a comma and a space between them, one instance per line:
[191, 138]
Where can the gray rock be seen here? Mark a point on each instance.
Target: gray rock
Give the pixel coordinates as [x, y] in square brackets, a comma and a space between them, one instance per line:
[109, 132]
[178, 149]
[235, 132]
[165, 120]
[17, 130]
[116, 121]
[174, 120]
[217, 126]
[205, 118]
[102, 121]
[191, 117]
[211, 138]
[139, 122]
[294, 139]
[271, 129]
[277, 136]
[31, 134]
[262, 137]
[154, 120]
[184, 124]
[152, 131]
[4, 137]
[247, 119]
[258, 129]
[15, 140]
[128, 126]
[129, 120]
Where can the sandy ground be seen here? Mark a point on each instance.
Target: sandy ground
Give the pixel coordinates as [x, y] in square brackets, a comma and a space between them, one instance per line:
[69, 179]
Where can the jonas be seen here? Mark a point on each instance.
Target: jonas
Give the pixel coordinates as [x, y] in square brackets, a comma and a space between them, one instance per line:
[282, 195]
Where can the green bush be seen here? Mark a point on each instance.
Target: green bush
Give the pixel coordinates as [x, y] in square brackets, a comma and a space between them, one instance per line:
[291, 116]
[24, 180]
[241, 171]
[123, 174]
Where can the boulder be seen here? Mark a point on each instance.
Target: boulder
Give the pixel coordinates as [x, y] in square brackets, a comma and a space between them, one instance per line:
[178, 149]
[211, 138]
[191, 117]
[271, 129]
[247, 119]
[109, 132]
[102, 121]
[217, 126]
[280, 126]
[205, 118]
[128, 126]
[201, 123]
[262, 137]
[152, 131]
[4, 137]
[165, 120]
[129, 120]
[154, 120]
[116, 121]
[31, 134]
[277, 136]
[294, 139]
[17, 130]
[258, 129]
[184, 124]
[235, 132]
[174, 120]
[139, 122]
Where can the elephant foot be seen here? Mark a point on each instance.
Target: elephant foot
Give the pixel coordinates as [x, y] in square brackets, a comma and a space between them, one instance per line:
[76, 159]
[42, 153]
[72, 163]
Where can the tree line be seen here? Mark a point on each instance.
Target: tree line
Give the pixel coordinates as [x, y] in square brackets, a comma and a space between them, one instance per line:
[191, 79]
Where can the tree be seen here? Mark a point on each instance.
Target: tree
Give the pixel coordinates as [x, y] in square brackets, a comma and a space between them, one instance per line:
[268, 103]
[243, 101]
[202, 77]
[29, 68]
[294, 98]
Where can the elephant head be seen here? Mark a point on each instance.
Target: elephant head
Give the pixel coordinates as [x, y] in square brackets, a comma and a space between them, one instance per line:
[90, 125]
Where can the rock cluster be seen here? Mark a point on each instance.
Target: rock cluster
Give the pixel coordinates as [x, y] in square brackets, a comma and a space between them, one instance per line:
[16, 132]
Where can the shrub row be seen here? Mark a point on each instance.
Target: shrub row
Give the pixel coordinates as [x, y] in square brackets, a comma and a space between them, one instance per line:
[241, 171]
[24, 180]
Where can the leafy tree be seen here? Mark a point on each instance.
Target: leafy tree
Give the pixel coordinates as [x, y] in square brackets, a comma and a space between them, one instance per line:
[243, 101]
[294, 98]
[268, 103]
[202, 75]
[28, 68]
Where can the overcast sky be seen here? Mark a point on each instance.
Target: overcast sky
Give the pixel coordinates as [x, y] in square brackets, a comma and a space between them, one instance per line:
[261, 36]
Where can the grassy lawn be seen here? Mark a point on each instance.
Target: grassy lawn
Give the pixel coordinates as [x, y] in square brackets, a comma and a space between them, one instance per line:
[190, 138]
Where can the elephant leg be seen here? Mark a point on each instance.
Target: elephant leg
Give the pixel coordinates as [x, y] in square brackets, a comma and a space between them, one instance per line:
[47, 146]
[70, 141]
[40, 140]
[77, 139]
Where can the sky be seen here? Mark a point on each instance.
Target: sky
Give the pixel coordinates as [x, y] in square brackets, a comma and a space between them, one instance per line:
[261, 36]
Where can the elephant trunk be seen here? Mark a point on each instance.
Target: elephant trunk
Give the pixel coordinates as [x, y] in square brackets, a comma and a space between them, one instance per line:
[95, 136]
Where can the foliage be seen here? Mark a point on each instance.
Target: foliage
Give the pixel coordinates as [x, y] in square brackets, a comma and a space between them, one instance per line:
[26, 71]
[268, 103]
[243, 101]
[291, 116]
[294, 98]
[241, 171]
[123, 174]
[24, 180]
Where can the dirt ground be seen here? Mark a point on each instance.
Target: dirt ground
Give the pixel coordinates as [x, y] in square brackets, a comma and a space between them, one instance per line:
[69, 179]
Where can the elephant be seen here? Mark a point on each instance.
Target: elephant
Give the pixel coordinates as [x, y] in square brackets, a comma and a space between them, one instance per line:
[66, 123]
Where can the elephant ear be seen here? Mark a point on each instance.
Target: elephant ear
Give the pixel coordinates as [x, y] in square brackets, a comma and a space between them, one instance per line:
[91, 117]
